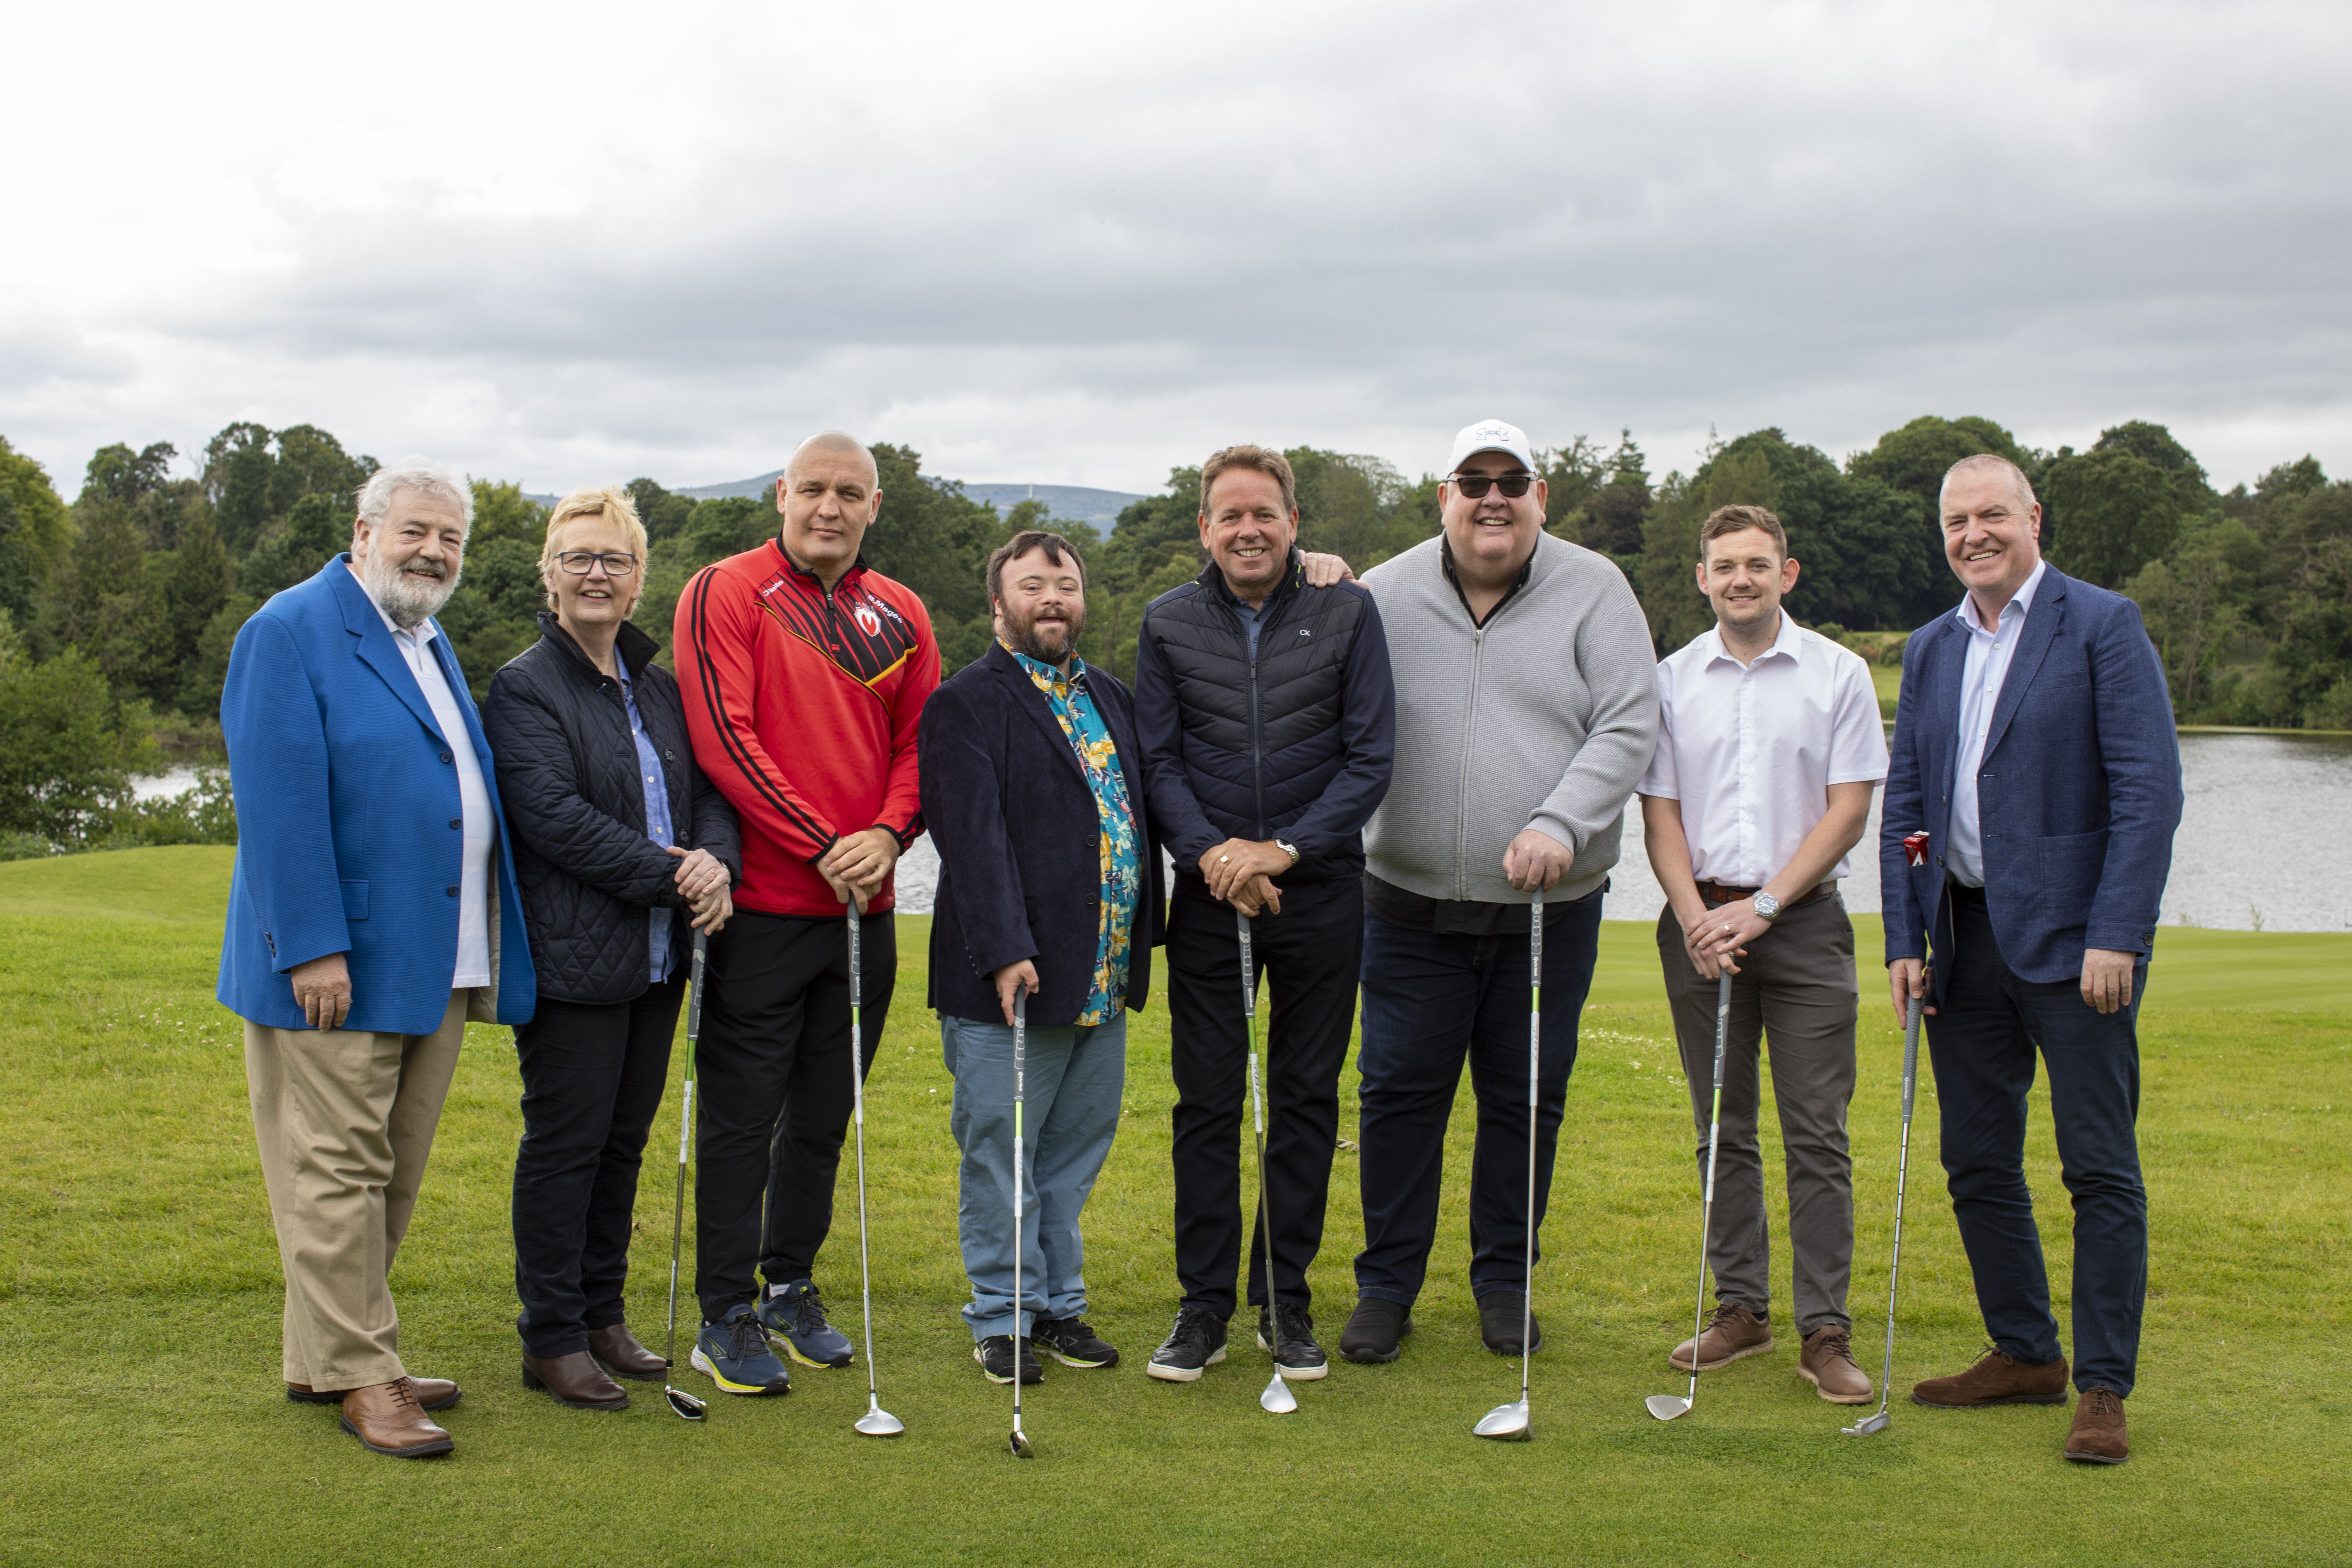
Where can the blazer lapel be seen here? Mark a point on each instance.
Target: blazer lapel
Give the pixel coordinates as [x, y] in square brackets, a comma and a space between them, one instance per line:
[377, 650]
[1943, 706]
[2032, 644]
[1032, 702]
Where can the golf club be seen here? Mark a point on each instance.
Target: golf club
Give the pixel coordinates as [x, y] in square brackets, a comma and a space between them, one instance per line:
[1666, 1406]
[1878, 1423]
[1512, 1423]
[685, 1404]
[1020, 1447]
[1277, 1399]
[877, 1422]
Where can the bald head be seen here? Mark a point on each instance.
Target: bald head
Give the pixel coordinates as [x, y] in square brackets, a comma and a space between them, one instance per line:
[827, 449]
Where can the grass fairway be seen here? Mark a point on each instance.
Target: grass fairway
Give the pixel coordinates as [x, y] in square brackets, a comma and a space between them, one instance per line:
[139, 1302]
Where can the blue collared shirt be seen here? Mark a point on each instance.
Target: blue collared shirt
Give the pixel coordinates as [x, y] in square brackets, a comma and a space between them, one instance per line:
[1982, 674]
[657, 822]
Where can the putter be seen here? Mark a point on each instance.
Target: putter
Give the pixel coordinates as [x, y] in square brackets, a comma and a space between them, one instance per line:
[1879, 1423]
[1512, 1423]
[1666, 1406]
[1277, 1399]
[1020, 1447]
[685, 1404]
[877, 1422]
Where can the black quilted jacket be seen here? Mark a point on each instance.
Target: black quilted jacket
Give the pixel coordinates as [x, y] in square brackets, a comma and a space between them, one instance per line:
[559, 734]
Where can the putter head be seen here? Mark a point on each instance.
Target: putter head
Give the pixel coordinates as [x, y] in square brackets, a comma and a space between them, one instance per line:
[685, 1404]
[879, 1423]
[1867, 1424]
[1505, 1423]
[1021, 1449]
[1277, 1399]
[1666, 1406]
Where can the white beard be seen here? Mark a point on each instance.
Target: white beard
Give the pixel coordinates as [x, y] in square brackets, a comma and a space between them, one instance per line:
[408, 599]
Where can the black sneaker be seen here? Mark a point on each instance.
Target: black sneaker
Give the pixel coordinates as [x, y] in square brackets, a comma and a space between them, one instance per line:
[995, 1355]
[1071, 1343]
[1298, 1357]
[1197, 1340]
[1500, 1314]
[1374, 1330]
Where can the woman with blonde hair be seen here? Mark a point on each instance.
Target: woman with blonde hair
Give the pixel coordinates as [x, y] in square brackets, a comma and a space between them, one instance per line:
[616, 834]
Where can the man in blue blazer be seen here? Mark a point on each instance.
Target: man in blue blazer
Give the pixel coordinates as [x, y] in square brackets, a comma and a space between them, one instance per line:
[1049, 887]
[374, 887]
[2031, 801]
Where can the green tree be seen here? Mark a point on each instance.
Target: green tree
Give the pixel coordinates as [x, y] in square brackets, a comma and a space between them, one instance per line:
[310, 462]
[38, 531]
[1572, 475]
[123, 474]
[1618, 513]
[70, 744]
[1348, 505]
[664, 515]
[239, 469]
[2106, 513]
[2188, 604]
[293, 549]
[107, 604]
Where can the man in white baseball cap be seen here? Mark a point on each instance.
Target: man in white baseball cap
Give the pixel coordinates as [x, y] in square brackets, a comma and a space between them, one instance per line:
[1549, 642]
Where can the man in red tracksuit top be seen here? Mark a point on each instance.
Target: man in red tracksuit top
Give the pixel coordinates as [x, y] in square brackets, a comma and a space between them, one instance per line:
[804, 674]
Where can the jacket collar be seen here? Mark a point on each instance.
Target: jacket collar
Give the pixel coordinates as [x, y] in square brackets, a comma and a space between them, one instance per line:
[1213, 577]
[800, 573]
[637, 649]
[366, 621]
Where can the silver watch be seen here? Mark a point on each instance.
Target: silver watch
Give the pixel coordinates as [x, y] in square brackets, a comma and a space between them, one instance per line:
[1767, 905]
[1287, 849]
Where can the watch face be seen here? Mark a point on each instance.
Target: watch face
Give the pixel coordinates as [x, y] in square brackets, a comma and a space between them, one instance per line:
[1767, 905]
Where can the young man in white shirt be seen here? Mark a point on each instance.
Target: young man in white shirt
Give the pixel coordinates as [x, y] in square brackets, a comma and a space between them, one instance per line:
[1768, 747]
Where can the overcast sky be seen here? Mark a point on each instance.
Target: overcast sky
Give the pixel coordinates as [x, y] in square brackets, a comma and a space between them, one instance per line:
[1083, 243]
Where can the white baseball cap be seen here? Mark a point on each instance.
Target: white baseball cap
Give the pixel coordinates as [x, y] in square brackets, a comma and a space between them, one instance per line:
[1490, 435]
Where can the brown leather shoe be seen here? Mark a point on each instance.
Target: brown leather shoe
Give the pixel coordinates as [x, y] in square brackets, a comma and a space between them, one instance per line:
[617, 1351]
[1827, 1362]
[432, 1394]
[2097, 1437]
[1733, 1332]
[1998, 1378]
[575, 1380]
[388, 1420]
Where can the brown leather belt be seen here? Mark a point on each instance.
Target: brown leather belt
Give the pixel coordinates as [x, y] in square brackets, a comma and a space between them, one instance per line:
[1716, 894]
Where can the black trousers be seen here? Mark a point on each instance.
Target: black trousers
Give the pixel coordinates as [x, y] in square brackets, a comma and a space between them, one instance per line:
[1981, 1043]
[593, 1075]
[1308, 956]
[775, 1093]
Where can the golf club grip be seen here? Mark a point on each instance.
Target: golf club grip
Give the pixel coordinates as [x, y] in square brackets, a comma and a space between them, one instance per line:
[1911, 1055]
[694, 988]
[1249, 966]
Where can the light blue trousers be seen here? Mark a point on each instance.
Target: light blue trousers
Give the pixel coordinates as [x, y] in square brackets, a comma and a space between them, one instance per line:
[1074, 1080]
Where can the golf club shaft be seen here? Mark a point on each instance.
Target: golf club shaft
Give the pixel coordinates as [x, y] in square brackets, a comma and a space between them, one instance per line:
[1020, 1055]
[1714, 1135]
[1902, 1178]
[1257, 1121]
[685, 1132]
[858, 1118]
[1535, 1070]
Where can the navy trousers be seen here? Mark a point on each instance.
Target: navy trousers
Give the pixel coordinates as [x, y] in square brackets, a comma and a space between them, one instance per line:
[1981, 1042]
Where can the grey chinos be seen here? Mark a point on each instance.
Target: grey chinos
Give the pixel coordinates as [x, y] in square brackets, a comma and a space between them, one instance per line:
[1795, 990]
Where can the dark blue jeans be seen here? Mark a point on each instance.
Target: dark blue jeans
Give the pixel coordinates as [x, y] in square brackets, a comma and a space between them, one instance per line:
[1430, 1002]
[1981, 1042]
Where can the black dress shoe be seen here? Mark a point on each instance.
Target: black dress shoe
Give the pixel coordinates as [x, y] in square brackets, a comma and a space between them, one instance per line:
[575, 1380]
[1374, 1330]
[617, 1351]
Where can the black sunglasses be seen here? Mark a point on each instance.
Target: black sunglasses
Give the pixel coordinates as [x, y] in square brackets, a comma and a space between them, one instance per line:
[1475, 486]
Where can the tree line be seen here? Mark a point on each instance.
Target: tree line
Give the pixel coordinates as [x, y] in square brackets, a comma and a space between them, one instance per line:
[118, 610]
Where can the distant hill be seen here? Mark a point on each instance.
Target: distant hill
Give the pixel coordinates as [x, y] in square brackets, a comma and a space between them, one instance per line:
[1078, 503]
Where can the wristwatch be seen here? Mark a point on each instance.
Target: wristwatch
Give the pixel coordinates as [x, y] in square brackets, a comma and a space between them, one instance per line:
[1767, 905]
[1287, 849]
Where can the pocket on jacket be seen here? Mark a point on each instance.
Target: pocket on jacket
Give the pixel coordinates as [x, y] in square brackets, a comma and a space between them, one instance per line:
[2070, 864]
[355, 900]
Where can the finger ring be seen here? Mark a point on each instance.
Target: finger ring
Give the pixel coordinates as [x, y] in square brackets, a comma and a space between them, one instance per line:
[1223, 858]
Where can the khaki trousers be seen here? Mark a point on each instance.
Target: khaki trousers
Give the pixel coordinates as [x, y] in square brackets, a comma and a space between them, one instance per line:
[344, 1118]
[1796, 991]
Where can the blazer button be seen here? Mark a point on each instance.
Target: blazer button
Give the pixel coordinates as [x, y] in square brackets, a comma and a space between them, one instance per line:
[458, 823]
[445, 757]
[453, 892]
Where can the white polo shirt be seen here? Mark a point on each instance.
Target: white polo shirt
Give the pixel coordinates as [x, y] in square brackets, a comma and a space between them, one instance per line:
[1982, 674]
[473, 798]
[1750, 752]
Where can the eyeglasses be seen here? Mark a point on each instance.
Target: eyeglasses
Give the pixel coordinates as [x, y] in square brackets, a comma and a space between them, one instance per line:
[1475, 486]
[577, 563]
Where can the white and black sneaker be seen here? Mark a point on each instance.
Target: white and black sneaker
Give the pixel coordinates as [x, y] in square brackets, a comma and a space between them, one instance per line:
[1198, 1341]
[1070, 1342]
[1295, 1354]
[998, 1357]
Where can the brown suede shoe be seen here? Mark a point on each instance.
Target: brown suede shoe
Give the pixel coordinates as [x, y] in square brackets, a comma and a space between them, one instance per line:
[1998, 1378]
[1732, 1333]
[431, 1393]
[388, 1420]
[617, 1351]
[575, 1380]
[2097, 1437]
[1827, 1362]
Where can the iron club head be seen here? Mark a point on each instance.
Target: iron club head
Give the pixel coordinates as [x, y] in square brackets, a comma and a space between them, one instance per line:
[879, 1423]
[1021, 1449]
[1277, 1399]
[685, 1404]
[1867, 1424]
[1666, 1406]
[1505, 1423]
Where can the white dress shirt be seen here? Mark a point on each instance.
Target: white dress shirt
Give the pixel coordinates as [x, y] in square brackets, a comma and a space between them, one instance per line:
[1980, 681]
[473, 798]
[1750, 750]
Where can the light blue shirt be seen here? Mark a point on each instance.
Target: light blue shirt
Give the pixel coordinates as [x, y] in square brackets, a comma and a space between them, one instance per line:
[657, 822]
[1250, 619]
[1981, 675]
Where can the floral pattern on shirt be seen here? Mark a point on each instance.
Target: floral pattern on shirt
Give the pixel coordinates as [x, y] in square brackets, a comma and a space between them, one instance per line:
[1121, 860]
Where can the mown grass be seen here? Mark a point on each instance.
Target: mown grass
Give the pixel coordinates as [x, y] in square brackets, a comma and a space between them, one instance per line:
[139, 1298]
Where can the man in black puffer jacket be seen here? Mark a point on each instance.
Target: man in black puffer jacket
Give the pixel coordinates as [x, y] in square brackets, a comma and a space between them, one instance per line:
[1269, 722]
